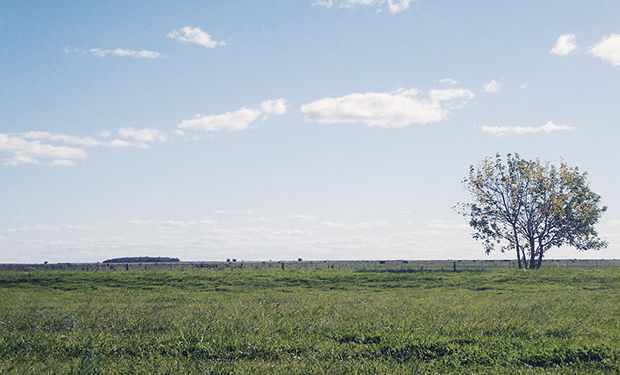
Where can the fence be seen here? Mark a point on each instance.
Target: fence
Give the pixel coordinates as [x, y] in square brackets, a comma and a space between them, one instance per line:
[356, 265]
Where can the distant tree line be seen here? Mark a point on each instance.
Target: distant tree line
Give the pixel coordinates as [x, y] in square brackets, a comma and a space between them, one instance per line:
[142, 260]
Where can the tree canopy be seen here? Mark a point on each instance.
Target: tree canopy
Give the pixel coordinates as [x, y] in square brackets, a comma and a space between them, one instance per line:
[529, 207]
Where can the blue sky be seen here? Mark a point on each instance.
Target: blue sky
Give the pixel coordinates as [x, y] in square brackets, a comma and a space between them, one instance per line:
[282, 129]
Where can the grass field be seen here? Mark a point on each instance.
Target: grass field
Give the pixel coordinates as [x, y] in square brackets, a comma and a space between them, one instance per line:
[338, 321]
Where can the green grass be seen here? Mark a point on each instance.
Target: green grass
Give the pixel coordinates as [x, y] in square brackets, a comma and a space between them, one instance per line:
[310, 321]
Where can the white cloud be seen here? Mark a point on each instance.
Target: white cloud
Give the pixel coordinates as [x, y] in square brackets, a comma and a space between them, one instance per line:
[523, 86]
[274, 107]
[335, 225]
[2, 237]
[62, 138]
[89, 141]
[392, 6]
[173, 223]
[22, 160]
[143, 135]
[28, 151]
[261, 219]
[195, 35]
[120, 52]
[62, 150]
[395, 109]
[613, 223]
[351, 226]
[49, 228]
[448, 81]
[104, 134]
[491, 87]
[397, 6]
[549, 127]
[450, 94]
[237, 120]
[323, 3]
[121, 143]
[235, 212]
[182, 223]
[445, 225]
[138, 222]
[564, 45]
[62, 163]
[303, 217]
[316, 223]
[608, 49]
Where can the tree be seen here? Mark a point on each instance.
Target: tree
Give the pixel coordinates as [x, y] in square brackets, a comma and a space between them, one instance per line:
[529, 207]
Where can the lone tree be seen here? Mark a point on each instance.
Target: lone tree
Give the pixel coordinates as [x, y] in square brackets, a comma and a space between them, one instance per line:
[529, 207]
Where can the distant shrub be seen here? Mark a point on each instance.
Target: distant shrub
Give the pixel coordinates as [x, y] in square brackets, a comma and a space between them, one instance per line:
[142, 260]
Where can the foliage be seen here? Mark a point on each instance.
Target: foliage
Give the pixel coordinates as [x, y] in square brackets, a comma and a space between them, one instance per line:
[309, 321]
[530, 207]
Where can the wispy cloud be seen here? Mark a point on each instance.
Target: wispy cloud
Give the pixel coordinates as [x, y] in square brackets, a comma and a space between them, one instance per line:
[63, 138]
[303, 217]
[235, 212]
[445, 225]
[549, 127]
[392, 6]
[397, 6]
[66, 139]
[121, 52]
[491, 87]
[26, 151]
[351, 226]
[138, 138]
[62, 150]
[138, 222]
[191, 237]
[450, 94]
[168, 223]
[49, 228]
[448, 81]
[184, 223]
[62, 163]
[195, 35]
[395, 109]
[608, 49]
[143, 135]
[564, 45]
[237, 120]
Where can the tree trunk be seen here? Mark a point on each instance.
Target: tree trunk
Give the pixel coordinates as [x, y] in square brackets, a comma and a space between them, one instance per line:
[532, 255]
[514, 230]
[540, 254]
[540, 257]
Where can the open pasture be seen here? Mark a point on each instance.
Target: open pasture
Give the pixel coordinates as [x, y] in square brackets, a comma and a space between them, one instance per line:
[309, 320]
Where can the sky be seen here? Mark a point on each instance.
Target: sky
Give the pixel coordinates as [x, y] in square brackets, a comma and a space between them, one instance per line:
[270, 130]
